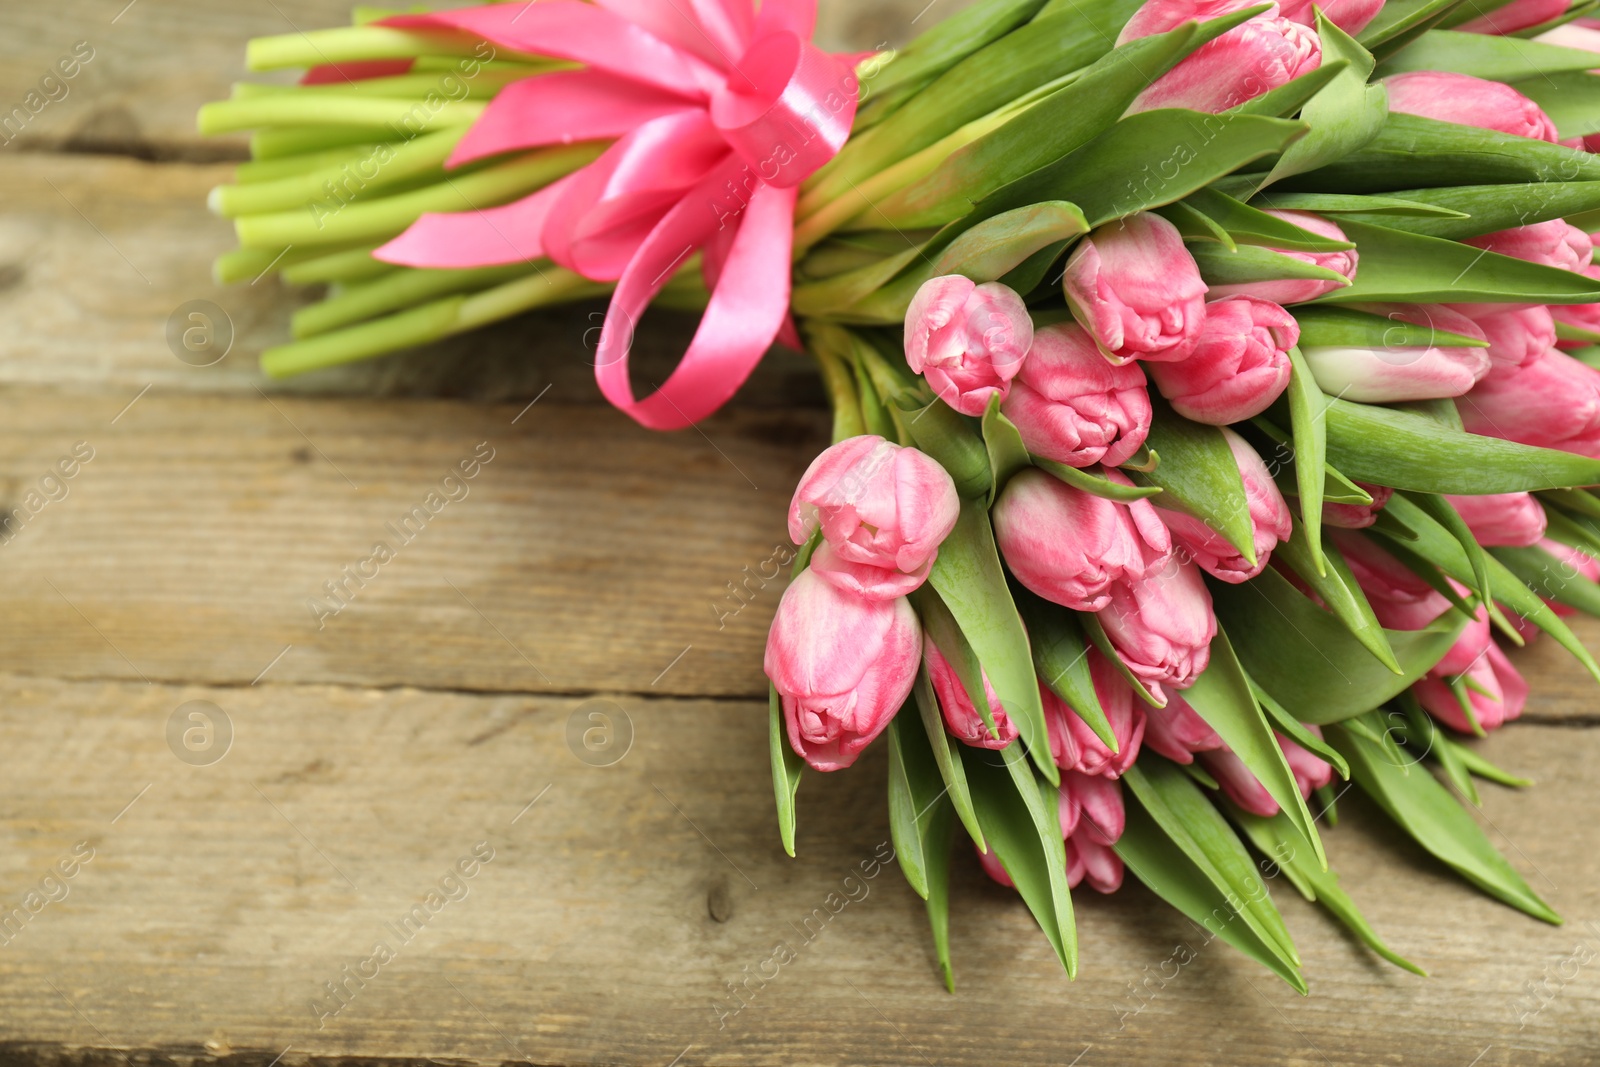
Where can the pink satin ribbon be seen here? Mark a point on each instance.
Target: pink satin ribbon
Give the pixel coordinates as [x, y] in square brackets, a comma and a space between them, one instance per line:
[719, 112]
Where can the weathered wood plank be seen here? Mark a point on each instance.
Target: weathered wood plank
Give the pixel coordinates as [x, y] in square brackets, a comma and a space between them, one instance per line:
[618, 907]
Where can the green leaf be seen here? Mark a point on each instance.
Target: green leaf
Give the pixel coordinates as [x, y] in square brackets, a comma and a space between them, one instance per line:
[1251, 263]
[1096, 484]
[1345, 116]
[1060, 658]
[1306, 415]
[946, 754]
[1343, 203]
[786, 768]
[1199, 476]
[1153, 695]
[938, 843]
[1425, 810]
[1249, 225]
[949, 437]
[969, 580]
[1296, 731]
[1325, 325]
[1338, 589]
[945, 633]
[1275, 837]
[1411, 267]
[1291, 96]
[1402, 20]
[844, 290]
[1382, 446]
[1306, 658]
[1007, 453]
[1571, 100]
[1482, 55]
[1552, 578]
[1581, 9]
[1423, 736]
[1024, 832]
[1157, 861]
[1194, 225]
[913, 792]
[1195, 825]
[1439, 510]
[1223, 698]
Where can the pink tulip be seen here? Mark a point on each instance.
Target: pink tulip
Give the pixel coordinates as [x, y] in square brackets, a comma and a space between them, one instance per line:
[1517, 15]
[1572, 563]
[1351, 16]
[1583, 316]
[1177, 731]
[967, 340]
[1245, 789]
[1299, 290]
[1494, 690]
[1516, 333]
[1254, 57]
[842, 667]
[1269, 517]
[1380, 375]
[1162, 625]
[1092, 819]
[1078, 748]
[1357, 516]
[1159, 16]
[1073, 406]
[960, 715]
[1469, 101]
[1134, 286]
[1552, 401]
[1502, 519]
[1400, 599]
[883, 510]
[1555, 243]
[1071, 547]
[1580, 34]
[1239, 366]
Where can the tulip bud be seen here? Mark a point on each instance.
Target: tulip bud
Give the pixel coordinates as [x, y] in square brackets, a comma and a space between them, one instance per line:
[1556, 243]
[1379, 375]
[1245, 789]
[883, 509]
[1092, 820]
[1070, 546]
[1469, 101]
[1573, 563]
[1161, 625]
[1583, 316]
[1074, 745]
[1074, 407]
[1502, 519]
[1299, 290]
[1136, 289]
[1159, 16]
[967, 340]
[1357, 516]
[1239, 366]
[1517, 15]
[842, 667]
[1493, 688]
[1516, 333]
[960, 715]
[1177, 731]
[1254, 57]
[1269, 519]
[1400, 599]
[1351, 16]
[1552, 401]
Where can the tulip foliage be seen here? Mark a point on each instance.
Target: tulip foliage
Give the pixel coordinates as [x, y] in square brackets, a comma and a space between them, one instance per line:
[1214, 392]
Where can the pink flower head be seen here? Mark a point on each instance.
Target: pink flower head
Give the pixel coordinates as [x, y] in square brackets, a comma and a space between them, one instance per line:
[1410, 372]
[1159, 16]
[1517, 15]
[1299, 290]
[960, 714]
[1400, 599]
[1177, 731]
[967, 340]
[1269, 516]
[1074, 745]
[1092, 819]
[1494, 690]
[1573, 563]
[1254, 57]
[1502, 519]
[1469, 101]
[883, 510]
[1583, 316]
[1239, 366]
[1070, 546]
[1245, 789]
[1552, 401]
[1517, 333]
[1136, 289]
[842, 667]
[1161, 625]
[1073, 406]
[1556, 243]
[1351, 16]
[1357, 516]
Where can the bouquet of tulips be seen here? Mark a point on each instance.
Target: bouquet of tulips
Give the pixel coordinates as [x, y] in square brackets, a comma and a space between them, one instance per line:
[1214, 383]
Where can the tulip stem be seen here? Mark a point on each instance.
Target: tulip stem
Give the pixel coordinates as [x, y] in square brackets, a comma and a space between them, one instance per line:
[355, 44]
[836, 379]
[388, 166]
[311, 107]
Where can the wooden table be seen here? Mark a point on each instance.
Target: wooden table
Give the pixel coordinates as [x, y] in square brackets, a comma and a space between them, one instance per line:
[430, 723]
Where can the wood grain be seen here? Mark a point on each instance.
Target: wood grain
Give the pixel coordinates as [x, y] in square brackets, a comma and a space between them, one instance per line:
[617, 908]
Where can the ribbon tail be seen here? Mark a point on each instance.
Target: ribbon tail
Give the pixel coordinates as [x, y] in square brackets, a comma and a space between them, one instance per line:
[488, 237]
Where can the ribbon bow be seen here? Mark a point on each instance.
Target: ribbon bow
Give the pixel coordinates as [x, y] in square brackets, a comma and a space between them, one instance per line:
[719, 111]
